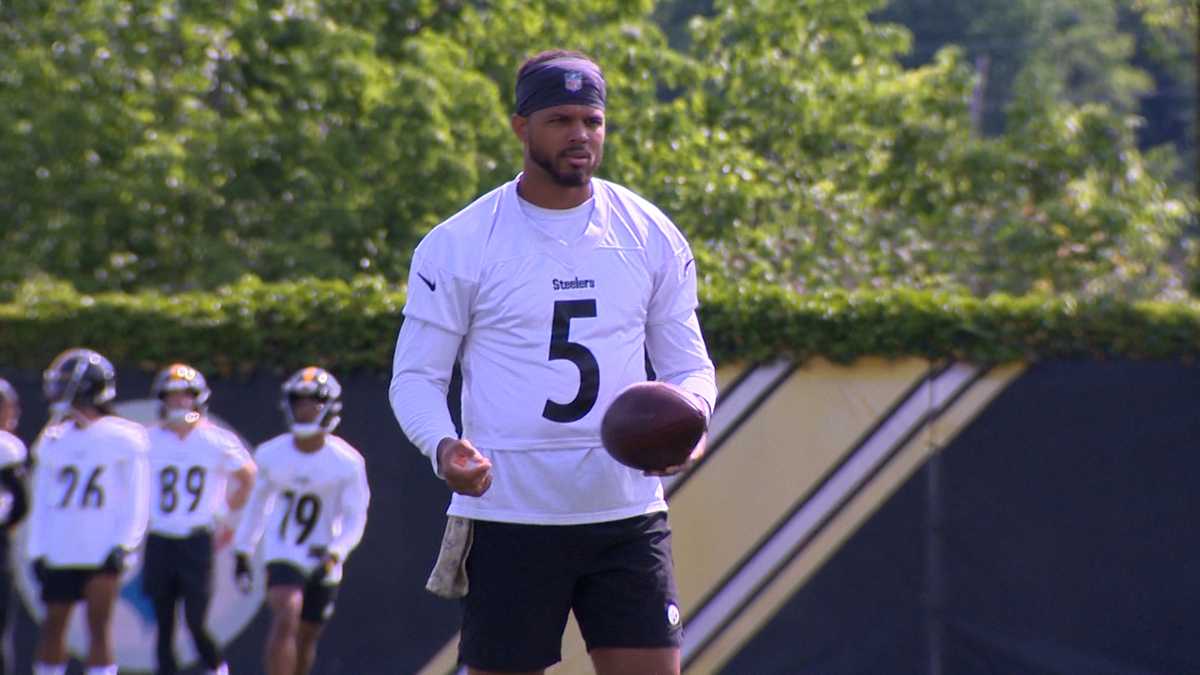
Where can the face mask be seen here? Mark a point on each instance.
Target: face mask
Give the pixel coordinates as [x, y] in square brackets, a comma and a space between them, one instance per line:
[59, 409]
[306, 429]
[181, 415]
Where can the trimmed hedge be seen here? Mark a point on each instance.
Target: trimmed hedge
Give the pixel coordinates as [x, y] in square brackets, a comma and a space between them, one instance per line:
[351, 325]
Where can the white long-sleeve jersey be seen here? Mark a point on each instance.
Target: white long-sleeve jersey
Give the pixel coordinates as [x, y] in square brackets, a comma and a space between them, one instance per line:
[12, 450]
[306, 500]
[550, 315]
[90, 492]
[190, 476]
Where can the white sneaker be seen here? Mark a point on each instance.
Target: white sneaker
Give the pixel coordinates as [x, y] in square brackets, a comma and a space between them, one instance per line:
[222, 669]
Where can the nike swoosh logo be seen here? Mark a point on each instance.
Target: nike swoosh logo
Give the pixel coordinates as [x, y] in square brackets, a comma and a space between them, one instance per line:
[688, 264]
[432, 286]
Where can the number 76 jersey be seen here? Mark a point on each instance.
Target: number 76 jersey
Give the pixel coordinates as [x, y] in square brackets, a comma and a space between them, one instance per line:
[305, 502]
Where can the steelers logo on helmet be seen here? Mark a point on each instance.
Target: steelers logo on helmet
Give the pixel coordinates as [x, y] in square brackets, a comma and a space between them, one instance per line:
[319, 385]
[79, 377]
[180, 377]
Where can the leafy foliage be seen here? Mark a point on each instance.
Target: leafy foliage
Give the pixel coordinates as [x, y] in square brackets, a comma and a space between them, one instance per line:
[180, 145]
[351, 325]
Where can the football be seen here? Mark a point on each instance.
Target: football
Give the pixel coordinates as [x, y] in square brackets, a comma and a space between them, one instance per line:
[652, 425]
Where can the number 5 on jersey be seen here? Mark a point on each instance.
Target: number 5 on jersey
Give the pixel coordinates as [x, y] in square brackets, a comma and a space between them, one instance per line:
[561, 347]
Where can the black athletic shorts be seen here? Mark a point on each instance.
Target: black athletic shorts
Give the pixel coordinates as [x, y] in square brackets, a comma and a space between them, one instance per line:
[175, 566]
[66, 584]
[319, 598]
[617, 577]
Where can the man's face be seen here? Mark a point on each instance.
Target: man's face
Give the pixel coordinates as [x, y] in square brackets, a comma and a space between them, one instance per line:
[305, 409]
[565, 141]
[10, 414]
[182, 400]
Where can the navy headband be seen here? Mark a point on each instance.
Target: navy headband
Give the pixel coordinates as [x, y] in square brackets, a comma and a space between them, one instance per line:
[566, 80]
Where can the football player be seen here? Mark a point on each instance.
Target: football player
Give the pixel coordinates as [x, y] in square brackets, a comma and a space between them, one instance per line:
[13, 497]
[309, 509]
[191, 463]
[549, 291]
[90, 499]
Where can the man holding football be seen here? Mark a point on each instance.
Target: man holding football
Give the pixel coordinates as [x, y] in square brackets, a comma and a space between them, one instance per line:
[551, 291]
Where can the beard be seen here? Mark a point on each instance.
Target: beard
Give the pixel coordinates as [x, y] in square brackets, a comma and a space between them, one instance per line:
[571, 177]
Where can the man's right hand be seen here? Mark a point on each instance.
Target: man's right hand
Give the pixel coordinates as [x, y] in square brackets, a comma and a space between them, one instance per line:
[466, 471]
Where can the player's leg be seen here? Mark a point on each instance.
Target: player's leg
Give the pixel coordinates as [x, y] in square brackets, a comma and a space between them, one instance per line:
[521, 578]
[164, 647]
[197, 590]
[317, 609]
[5, 597]
[285, 596]
[159, 584]
[626, 601]
[61, 589]
[634, 661]
[100, 594]
[51, 648]
[306, 646]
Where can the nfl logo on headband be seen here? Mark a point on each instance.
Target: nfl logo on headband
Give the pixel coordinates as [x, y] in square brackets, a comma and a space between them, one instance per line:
[573, 80]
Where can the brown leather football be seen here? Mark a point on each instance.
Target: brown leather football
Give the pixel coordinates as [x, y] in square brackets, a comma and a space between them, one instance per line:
[652, 425]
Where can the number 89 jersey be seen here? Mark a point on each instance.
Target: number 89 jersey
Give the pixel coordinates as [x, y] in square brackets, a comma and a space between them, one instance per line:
[553, 323]
[189, 476]
[305, 501]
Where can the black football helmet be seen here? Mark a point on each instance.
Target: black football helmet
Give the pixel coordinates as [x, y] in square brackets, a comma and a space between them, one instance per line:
[80, 377]
[318, 383]
[182, 377]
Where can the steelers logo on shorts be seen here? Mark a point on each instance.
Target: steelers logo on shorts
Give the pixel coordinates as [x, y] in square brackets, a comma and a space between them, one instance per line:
[673, 614]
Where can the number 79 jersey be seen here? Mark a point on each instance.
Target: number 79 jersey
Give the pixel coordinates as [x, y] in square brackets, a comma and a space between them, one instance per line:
[553, 324]
[305, 501]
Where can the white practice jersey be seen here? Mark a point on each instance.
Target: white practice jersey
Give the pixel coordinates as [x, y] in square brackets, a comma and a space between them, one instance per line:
[190, 477]
[12, 455]
[90, 492]
[551, 315]
[552, 328]
[12, 450]
[305, 500]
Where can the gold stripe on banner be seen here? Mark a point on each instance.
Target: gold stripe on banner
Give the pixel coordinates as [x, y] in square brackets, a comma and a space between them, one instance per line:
[795, 437]
[809, 558]
[445, 661]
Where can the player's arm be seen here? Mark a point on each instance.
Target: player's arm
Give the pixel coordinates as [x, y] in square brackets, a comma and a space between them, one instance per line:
[12, 478]
[41, 485]
[673, 338]
[242, 471]
[132, 520]
[254, 518]
[421, 370]
[355, 498]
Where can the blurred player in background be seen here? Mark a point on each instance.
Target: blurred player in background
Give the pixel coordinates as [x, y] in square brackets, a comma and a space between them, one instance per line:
[550, 290]
[311, 499]
[90, 499]
[191, 462]
[13, 498]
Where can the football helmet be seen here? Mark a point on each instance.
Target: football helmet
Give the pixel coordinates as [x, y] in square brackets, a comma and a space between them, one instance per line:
[79, 377]
[317, 383]
[181, 377]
